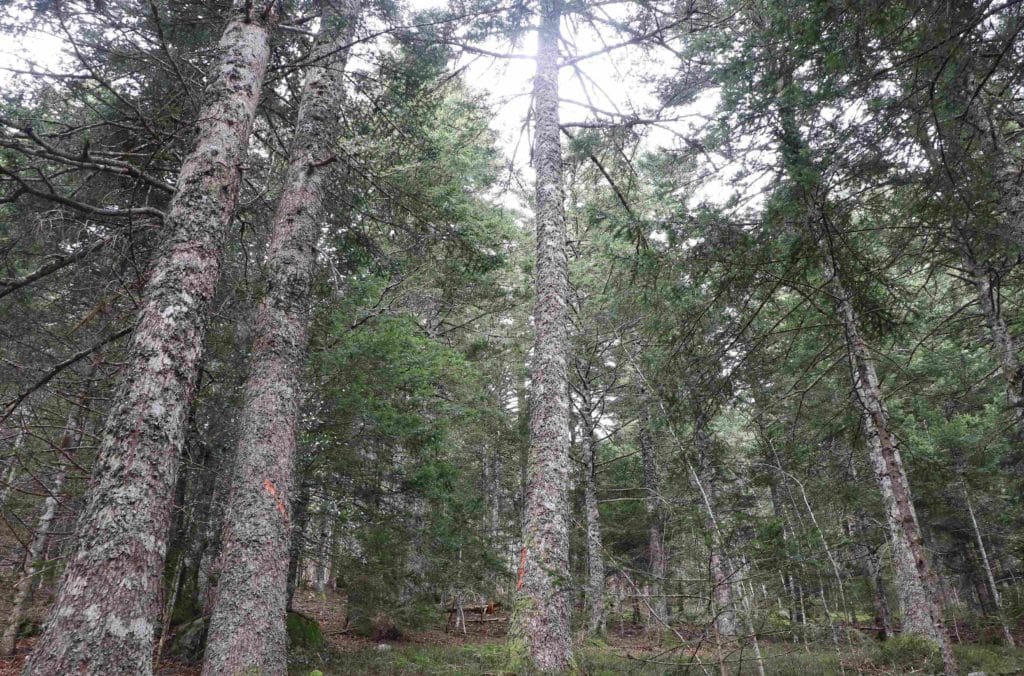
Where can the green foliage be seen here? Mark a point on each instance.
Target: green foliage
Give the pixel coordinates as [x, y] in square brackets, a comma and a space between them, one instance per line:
[910, 653]
[303, 633]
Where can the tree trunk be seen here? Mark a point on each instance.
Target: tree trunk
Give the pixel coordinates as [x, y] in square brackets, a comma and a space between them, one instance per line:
[69, 443]
[247, 629]
[595, 553]
[915, 585]
[14, 466]
[990, 579]
[103, 619]
[789, 582]
[542, 611]
[921, 613]
[300, 514]
[721, 578]
[656, 519]
[1003, 343]
[323, 551]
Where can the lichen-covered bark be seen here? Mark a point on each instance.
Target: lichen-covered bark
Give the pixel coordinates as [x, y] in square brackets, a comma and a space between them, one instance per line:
[656, 518]
[247, 629]
[103, 619]
[595, 553]
[541, 620]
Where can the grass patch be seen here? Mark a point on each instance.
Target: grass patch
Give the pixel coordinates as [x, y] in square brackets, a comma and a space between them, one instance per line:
[597, 659]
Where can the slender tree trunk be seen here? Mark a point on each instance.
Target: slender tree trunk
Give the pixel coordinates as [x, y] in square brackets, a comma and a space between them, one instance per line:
[103, 619]
[915, 584]
[871, 569]
[595, 553]
[14, 467]
[543, 606]
[718, 564]
[218, 469]
[990, 579]
[788, 580]
[300, 514]
[69, 443]
[1003, 343]
[323, 552]
[656, 519]
[247, 629]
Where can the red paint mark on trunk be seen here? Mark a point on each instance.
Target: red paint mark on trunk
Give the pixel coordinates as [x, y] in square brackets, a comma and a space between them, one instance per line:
[269, 487]
[522, 569]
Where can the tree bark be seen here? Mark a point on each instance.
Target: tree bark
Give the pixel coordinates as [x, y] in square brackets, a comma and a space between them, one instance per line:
[13, 467]
[595, 548]
[103, 619]
[247, 629]
[656, 519]
[541, 621]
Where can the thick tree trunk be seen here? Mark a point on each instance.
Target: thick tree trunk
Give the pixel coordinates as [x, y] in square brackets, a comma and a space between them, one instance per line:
[69, 443]
[103, 619]
[542, 613]
[595, 548]
[656, 519]
[247, 629]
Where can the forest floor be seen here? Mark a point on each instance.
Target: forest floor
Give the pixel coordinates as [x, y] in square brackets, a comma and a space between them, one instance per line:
[627, 649]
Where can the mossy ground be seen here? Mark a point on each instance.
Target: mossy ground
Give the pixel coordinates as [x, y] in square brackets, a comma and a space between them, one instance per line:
[604, 659]
[627, 649]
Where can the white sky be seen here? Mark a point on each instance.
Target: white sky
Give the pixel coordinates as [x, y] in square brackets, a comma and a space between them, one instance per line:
[609, 82]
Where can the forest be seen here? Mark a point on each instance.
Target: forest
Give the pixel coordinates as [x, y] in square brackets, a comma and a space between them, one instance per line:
[511, 337]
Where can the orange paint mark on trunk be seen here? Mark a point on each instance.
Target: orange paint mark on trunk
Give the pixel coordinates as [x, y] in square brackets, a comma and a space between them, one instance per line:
[522, 569]
[270, 488]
